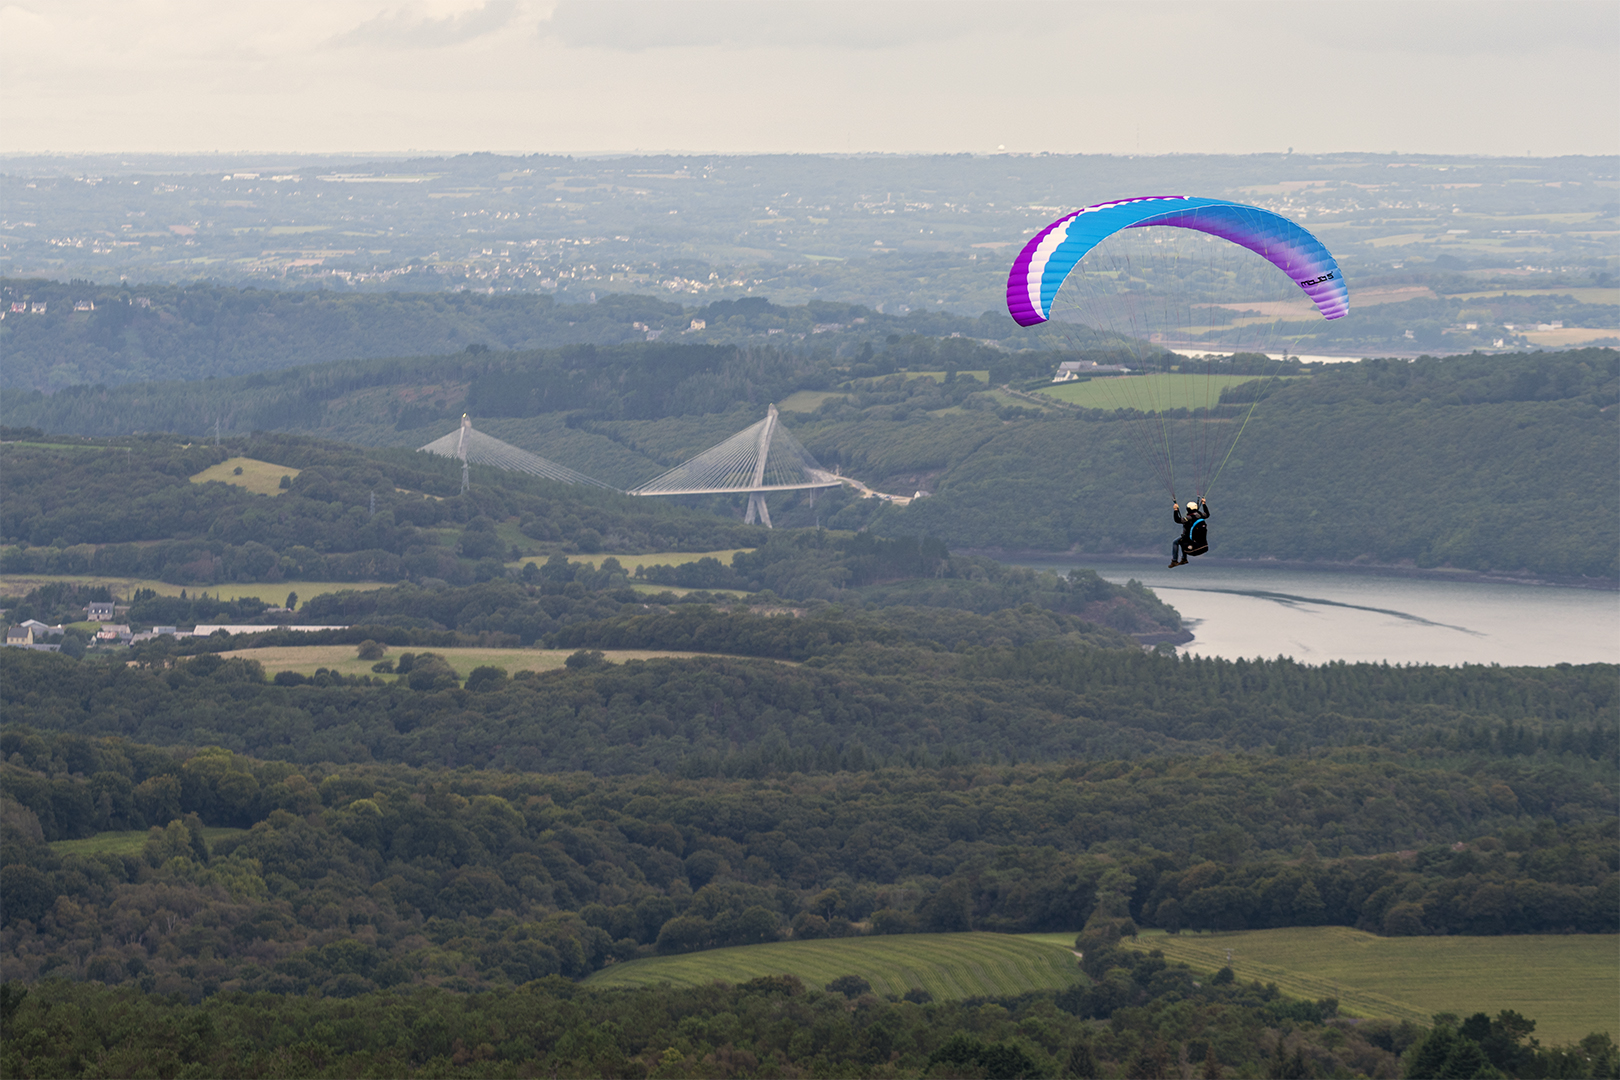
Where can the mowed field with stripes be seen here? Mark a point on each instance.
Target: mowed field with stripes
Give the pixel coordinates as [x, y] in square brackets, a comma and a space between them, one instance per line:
[1566, 983]
[948, 966]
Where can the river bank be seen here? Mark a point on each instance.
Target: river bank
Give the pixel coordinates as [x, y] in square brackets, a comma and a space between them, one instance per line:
[1371, 569]
[1366, 614]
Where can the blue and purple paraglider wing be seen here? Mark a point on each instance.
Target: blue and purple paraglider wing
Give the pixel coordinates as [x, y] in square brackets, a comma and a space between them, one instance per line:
[1041, 268]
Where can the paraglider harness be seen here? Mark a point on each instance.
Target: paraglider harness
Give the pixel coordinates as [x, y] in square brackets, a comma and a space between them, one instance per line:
[1197, 537]
[1194, 532]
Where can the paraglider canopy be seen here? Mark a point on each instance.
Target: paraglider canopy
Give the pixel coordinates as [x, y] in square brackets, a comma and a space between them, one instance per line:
[1046, 261]
[1196, 295]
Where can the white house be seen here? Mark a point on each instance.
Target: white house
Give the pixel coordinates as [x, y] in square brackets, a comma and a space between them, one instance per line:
[1070, 370]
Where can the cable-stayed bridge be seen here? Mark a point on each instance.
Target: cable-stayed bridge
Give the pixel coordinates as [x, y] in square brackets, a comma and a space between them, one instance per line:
[759, 459]
[476, 448]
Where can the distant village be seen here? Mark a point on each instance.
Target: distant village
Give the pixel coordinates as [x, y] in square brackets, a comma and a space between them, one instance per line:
[36, 635]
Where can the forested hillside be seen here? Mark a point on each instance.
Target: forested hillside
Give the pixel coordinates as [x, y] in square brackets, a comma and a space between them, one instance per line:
[1475, 462]
[151, 333]
[1158, 1014]
[180, 831]
[554, 401]
[129, 507]
[1484, 463]
[515, 758]
[473, 877]
[867, 693]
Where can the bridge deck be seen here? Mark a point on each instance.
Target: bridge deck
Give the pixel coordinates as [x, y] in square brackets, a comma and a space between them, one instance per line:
[742, 490]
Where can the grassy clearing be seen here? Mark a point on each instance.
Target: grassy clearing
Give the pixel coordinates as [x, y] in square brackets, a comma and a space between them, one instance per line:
[1006, 400]
[305, 659]
[1400, 294]
[129, 843]
[259, 477]
[653, 590]
[657, 558]
[272, 592]
[939, 376]
[806, 401]
[1147, 392]
[1398, 240]
[949, 966]
[1588, 295]
[1572, 337]
[1565, 983]
[61, 446]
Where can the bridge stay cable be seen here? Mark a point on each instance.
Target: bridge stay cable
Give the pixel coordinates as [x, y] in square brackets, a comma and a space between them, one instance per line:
[760, 459]
[473, 447]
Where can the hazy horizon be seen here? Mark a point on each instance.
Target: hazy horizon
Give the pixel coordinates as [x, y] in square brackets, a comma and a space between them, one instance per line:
[740, 77]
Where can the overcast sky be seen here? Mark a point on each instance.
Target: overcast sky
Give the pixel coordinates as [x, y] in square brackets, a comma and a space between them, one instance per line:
[750, 76]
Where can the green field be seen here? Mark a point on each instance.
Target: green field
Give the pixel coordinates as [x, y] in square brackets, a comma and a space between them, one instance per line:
[657, 558]
[939, 376]
[305, 659]
[949, 966]
[129, 843]
[61, 446]
[1566, 984]
[806, 401]
[1005, 400]
[1146, 392]
[653, 590]
[272, 592]
[1590, 294]
[259, 477]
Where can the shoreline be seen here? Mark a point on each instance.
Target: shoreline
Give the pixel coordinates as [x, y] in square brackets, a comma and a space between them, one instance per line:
[1490, 577]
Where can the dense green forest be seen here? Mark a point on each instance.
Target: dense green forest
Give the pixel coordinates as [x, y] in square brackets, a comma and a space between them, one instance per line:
[468, 878]
[1164, 1019]
[406, 845]
[1477, 462]
[868, 692]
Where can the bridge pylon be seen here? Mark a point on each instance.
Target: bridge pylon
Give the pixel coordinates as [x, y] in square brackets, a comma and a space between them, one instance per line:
[472, 447]
[759, 459]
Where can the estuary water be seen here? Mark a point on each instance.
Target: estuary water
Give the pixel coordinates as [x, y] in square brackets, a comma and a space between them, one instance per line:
[1249, 610]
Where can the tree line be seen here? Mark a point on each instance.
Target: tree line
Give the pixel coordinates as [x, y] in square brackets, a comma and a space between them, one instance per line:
[470, 879]
[857, 702]
[774, 1024]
